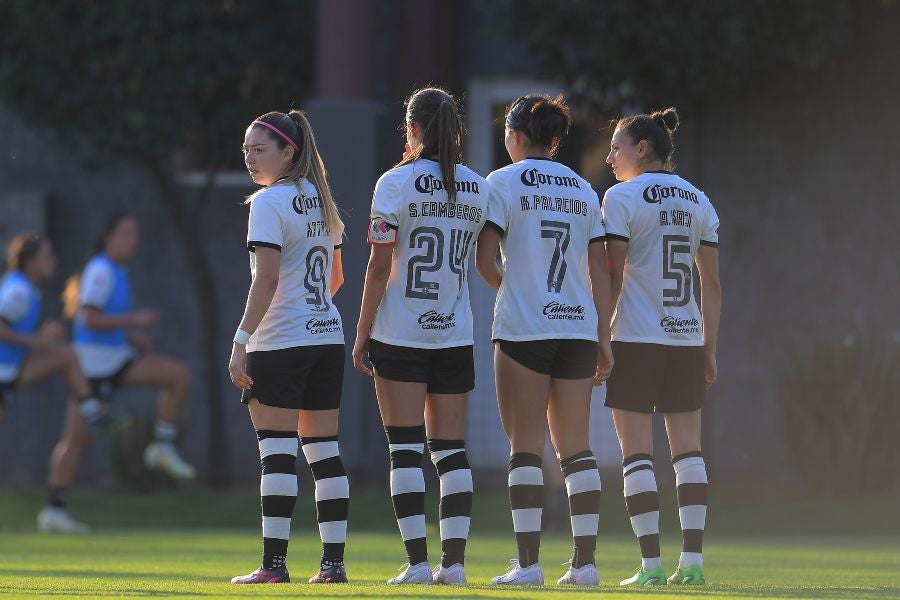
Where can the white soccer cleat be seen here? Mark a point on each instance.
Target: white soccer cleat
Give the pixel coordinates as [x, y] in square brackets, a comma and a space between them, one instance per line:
[452, 575]
[164, 457]
[52, 519]
[531, 575]
[420, 573]
[586, 575]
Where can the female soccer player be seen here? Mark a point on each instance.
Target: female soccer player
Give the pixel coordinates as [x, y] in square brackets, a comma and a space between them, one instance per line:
[113, 352]
[415, 323]
[658, 226]
[550, 346]
[288, 352]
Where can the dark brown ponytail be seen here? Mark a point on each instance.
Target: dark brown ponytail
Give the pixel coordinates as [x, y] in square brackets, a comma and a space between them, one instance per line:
[436, 113]
[543, 119]
[657, 128]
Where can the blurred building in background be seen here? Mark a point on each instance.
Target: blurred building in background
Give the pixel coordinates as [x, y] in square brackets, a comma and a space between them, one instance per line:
[804, 185]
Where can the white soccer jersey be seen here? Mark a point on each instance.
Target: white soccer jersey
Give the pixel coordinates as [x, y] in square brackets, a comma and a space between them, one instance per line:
[547, 216]
[426, 304]
[664, 219]
[302, 312]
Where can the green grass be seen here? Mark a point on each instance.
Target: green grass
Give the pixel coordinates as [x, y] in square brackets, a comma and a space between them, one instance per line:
[171, 545]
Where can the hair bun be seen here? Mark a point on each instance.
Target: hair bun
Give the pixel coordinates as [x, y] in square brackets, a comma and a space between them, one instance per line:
[667, 118]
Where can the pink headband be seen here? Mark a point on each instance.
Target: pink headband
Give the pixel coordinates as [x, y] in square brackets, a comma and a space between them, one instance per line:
[278, 131]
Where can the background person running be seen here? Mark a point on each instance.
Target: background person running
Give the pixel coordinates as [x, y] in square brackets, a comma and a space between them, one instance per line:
[426, 213]
[113, 351]
[658, 226]
[288, 352]
[30, 352]
[550, 346]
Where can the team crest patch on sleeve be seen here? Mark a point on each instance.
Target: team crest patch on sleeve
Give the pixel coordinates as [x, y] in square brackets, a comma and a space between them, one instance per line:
[381, 233]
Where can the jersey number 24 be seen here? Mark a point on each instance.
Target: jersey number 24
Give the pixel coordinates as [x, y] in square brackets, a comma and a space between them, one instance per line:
[431, 240]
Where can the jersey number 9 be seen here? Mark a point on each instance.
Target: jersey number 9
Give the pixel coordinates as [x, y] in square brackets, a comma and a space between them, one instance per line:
[314, 282]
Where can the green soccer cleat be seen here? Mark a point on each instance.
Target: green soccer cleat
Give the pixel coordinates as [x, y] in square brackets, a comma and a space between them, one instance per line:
[689, 575]
[655, 576]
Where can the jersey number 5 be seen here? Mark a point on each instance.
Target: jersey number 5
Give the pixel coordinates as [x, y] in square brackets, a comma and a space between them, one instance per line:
[676, 271]
[431, 239]
[559, 232]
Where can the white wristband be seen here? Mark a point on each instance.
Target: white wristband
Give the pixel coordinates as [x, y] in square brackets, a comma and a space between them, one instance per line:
[241, 337]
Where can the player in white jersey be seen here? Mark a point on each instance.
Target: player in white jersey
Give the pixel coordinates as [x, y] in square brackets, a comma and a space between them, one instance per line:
[113, 352]
[550, 345]
[288, 351]
[416, 326]
[658, 226]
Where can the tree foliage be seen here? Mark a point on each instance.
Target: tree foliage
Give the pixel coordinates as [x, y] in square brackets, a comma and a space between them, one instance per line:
[160, 84]
[664, 51]
[142, 79]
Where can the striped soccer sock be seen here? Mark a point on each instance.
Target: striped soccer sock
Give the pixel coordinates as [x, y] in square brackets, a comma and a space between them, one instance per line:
[642, 501]
[452, 464]
[583, 489]
[526, 499]
[407, 444]
[690, 477]
[332, 493]
[278, 489]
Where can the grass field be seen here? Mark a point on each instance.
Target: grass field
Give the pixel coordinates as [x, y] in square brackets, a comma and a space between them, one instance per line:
[165, 545]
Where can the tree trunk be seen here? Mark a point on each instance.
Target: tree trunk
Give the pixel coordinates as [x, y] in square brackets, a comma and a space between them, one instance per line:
[190, 237]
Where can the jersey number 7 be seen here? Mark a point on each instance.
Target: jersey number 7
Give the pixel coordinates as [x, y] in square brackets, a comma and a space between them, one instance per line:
[558, 231]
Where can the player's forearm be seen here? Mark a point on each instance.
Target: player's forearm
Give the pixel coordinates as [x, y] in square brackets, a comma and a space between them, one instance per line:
[373, 293]
[711, 308]
[94, 319]
[601, 289]
[337, 273]
[262, 290]
[486, 265]
[17, 339]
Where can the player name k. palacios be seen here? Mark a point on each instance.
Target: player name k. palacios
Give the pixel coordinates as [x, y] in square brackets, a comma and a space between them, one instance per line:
[558, 310]
[655, 194]
[437, 320]
[572, 206]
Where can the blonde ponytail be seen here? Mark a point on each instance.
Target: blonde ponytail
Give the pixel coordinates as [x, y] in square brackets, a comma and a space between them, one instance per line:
[309, 165]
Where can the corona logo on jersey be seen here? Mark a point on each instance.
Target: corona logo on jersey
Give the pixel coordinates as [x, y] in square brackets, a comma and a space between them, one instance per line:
[429, 184]
[558, 310]
[655, 194]
[534, 178]
[303, 203]
[437, 320]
